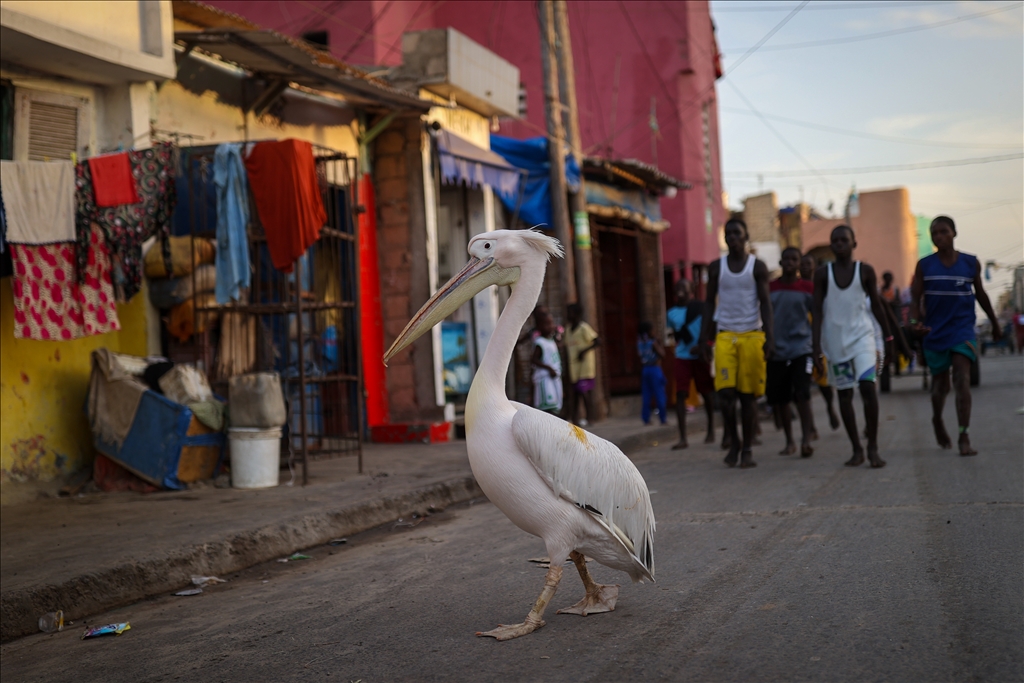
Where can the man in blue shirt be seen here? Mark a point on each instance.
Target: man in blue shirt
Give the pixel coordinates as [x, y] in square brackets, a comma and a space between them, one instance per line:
[946, 285]
[684, 319]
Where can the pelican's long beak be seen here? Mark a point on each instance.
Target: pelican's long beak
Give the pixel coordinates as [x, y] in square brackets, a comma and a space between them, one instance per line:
[471, 280]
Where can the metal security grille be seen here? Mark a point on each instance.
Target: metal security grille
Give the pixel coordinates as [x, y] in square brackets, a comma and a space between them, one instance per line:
[304, 325]
[52, 131]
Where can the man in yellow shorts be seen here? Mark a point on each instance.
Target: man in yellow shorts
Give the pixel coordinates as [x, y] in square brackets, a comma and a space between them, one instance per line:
[738, 301]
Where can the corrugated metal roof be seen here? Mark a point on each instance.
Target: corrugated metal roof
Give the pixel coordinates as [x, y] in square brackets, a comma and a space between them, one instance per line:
[635, 172]
[244, 44]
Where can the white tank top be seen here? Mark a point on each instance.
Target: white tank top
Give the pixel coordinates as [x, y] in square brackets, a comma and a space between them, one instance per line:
[846, 329]
[739, 309]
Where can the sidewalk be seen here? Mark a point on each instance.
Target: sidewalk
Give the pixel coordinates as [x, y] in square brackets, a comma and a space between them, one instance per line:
[92, 553]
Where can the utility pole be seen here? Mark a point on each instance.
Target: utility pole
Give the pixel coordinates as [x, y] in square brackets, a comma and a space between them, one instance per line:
[586, 290]
[556, 146]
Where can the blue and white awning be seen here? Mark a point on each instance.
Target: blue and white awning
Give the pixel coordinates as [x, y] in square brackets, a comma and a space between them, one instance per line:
[462, 161]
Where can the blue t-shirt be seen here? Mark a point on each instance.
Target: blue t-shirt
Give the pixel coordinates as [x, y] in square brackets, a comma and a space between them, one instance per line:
[677, 322]
[645, 347]
[949, 301]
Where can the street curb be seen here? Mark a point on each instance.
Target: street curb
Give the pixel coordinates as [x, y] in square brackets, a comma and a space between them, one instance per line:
[130, 582]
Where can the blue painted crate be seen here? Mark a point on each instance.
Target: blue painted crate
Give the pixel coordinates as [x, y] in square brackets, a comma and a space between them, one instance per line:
[167, 445]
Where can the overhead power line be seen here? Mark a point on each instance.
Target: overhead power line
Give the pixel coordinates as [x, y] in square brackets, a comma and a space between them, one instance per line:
[883, 34]
[881, 169]
[722, 8]
[782, 139]
[869, 136]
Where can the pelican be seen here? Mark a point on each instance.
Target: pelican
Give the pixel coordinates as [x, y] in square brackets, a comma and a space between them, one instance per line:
[574, 490]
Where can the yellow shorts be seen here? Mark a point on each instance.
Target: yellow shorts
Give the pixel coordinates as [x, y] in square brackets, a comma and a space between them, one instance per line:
[739, 362]
[822, 379]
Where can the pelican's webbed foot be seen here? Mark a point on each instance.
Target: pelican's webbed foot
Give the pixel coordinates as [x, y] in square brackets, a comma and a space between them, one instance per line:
[534, 620]
[599, 597]
[510, 631]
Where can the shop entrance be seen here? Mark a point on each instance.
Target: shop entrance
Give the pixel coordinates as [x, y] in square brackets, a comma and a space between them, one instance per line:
[620, 306]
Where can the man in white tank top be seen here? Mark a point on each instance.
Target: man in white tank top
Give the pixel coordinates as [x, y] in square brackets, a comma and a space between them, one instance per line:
[845, 298]
[738, 301]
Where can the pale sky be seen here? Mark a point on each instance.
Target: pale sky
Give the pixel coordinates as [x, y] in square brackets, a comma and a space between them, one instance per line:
[944, 93]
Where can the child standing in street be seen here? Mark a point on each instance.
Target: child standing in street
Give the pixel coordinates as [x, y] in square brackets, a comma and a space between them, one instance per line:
[946, 286]
[653, 379]
[547, 367]
[580, 341]
[789, 370]
[685, 321]
[843, 329]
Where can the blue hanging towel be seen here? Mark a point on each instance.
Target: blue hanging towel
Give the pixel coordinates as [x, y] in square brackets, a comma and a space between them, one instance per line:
[232, 222]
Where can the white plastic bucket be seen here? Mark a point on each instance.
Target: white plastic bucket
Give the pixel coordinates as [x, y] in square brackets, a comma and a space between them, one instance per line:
[255, 457]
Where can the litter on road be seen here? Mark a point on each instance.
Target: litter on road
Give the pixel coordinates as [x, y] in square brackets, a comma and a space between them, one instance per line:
[116, 629]
[189, 591]
[52, 621]
[206, 580]
[294, 557]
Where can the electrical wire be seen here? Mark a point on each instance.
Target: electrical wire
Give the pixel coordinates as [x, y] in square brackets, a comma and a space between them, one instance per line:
[883, 169]
[721, 8]
[885, 34]
[782, 139]
[869, 136]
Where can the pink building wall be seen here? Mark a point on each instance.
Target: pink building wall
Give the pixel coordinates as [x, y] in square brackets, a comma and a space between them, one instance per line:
[664, 52]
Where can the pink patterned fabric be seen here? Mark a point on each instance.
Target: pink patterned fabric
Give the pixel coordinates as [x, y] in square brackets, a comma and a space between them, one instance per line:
[49, 302]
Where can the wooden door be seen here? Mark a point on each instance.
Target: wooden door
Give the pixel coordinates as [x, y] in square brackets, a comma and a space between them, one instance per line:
[620, 307]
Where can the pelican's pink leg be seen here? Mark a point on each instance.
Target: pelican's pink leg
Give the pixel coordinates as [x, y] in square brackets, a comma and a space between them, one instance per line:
[599, 597]
[534, 620]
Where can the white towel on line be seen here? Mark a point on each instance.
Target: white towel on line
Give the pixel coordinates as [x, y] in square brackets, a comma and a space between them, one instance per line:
[39, 198]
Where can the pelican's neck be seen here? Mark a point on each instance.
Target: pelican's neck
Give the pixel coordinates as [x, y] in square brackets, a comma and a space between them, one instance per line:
[489, 382]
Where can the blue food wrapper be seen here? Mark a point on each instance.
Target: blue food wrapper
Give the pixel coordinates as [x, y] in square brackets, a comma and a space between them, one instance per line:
[116, 629]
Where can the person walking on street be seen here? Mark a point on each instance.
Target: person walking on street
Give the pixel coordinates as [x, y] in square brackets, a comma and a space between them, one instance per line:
[547, 367]
[581, 340]
[684, 319]
[843, 329]
[652, 381]
[807, 266]
[738, 291]
[945, 288]
[789, 370]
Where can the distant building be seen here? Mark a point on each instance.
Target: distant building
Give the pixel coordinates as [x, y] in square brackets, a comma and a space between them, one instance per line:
[885, 229]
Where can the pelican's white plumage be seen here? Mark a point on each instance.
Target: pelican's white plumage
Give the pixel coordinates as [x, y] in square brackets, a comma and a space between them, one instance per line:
[576, 491]
[596, 477]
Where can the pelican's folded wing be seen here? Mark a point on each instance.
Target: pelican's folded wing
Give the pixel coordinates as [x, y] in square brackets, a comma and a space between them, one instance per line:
[591, 473]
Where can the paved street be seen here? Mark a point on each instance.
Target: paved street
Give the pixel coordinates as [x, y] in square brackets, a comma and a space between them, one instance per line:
[797, 570]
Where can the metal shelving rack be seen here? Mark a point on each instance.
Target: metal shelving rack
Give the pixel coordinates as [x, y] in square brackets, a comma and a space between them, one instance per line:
[307, 321]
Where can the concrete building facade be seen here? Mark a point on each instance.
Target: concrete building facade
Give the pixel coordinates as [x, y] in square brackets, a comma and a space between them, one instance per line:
[645, 75]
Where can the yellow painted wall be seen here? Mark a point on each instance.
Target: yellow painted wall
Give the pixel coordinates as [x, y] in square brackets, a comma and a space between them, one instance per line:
[44, 433]
[114, 22]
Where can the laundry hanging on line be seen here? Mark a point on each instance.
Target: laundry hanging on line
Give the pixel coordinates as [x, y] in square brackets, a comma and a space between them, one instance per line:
[127, 226]
[112, 179]
[39, 201]
[232, 222]
[283, 180]
[50, 304]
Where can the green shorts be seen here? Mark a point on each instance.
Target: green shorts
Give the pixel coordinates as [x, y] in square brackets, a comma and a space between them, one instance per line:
[939, 361]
